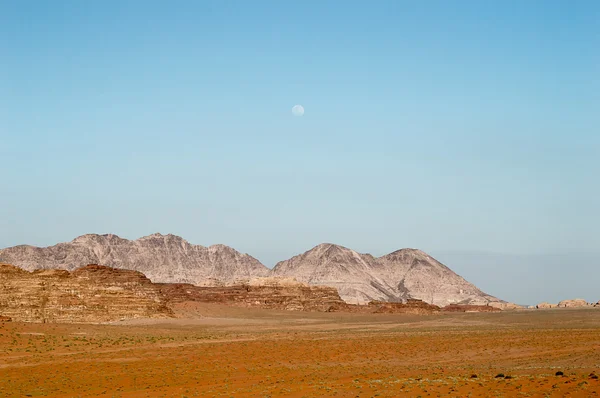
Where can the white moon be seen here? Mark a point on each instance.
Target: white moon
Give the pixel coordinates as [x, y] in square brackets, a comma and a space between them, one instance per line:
[298, 110]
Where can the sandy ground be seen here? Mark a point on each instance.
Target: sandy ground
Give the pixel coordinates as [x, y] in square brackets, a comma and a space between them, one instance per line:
[227, 352]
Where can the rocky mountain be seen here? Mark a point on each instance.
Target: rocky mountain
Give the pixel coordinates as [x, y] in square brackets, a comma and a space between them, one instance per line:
[398, 276]
[162, 258]
[359, 278]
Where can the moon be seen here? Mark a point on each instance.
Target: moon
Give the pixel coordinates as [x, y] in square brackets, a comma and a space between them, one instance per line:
[298, 110]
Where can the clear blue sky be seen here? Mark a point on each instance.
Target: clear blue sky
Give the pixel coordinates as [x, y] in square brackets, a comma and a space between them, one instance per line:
[467, 125]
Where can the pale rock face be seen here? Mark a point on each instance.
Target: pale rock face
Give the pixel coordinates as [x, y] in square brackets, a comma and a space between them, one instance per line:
[398, 276]
[162, 258]
[573, 303]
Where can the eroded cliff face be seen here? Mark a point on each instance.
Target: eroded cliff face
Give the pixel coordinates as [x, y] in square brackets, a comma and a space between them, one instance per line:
[91, 294]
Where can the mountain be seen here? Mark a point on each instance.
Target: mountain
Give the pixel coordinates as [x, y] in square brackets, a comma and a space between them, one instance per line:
[332, 265]
[398, 276]
[359, 278]
[162, 258]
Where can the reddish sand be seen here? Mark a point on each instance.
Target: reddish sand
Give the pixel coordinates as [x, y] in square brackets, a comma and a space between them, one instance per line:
[253, 353]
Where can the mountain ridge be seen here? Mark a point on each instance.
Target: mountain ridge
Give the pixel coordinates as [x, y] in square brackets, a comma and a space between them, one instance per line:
[359, 277]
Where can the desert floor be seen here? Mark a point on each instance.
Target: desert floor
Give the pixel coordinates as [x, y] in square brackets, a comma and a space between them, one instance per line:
[230, 352]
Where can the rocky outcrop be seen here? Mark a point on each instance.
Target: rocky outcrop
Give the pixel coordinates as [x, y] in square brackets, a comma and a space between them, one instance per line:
[412, 306]
[506, 306]
[545, 305]
[470, 308]
[162, 258]
[267, 293]
[396, 277]
[573, 303]
[91, 294]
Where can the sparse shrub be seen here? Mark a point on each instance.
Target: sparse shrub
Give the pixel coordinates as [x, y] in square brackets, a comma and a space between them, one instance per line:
[473, 376]
[559, 373]
[499, 375]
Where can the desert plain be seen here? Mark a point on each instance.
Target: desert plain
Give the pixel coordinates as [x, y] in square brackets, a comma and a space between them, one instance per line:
[212, 350]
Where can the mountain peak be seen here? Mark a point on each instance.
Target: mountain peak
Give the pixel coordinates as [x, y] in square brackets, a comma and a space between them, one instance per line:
[407, 252]
[328, 249]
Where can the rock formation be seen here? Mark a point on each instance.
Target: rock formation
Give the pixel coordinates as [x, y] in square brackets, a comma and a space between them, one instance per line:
[398, 276]
[94, 294]
[267, 293]
[506, 306]
[412, 306]
[359, 278]
[91, 294]
[573, 303]
[162, 258]
[545, 305]
[470, 308]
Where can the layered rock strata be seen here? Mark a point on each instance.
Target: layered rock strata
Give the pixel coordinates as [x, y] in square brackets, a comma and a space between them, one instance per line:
[91, 294]
[268, 294]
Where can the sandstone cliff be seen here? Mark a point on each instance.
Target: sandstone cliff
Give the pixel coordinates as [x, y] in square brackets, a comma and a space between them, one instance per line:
[90, 294]
[398, 276]
[162, 258]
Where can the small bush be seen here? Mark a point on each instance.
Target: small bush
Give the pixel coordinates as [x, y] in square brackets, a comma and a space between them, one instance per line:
[499, 375]
[473, 376]
[559, 373]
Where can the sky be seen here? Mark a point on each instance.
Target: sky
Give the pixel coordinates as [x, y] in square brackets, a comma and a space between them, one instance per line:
[459, 128]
